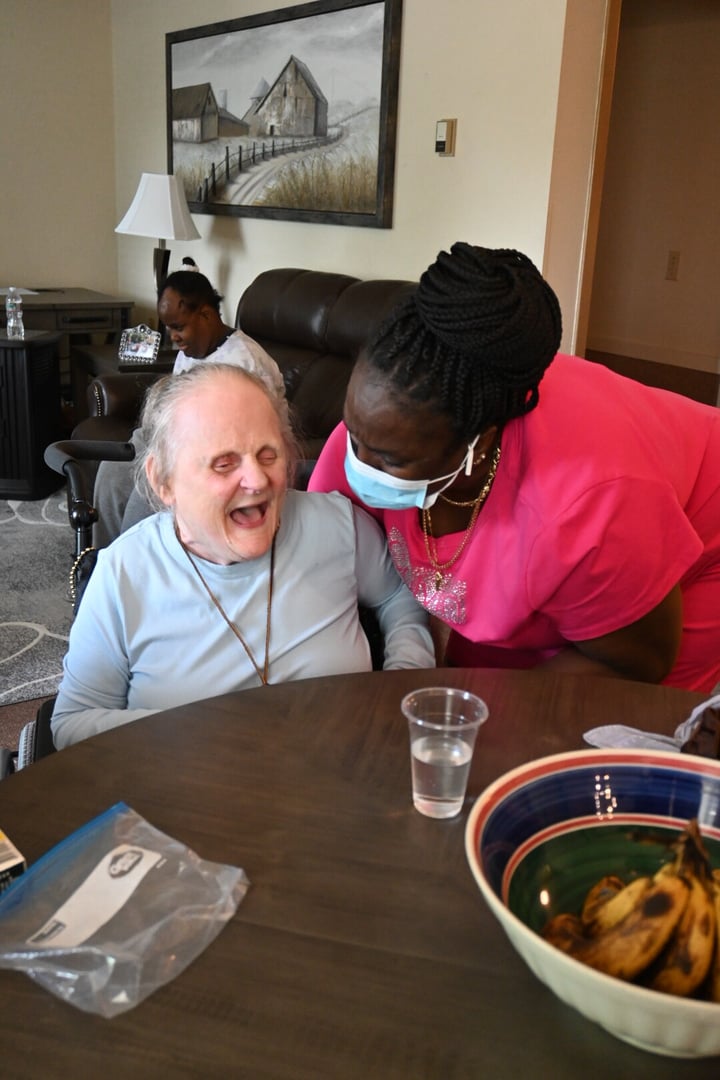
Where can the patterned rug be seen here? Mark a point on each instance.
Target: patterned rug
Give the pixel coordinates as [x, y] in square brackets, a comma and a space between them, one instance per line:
[36, 542]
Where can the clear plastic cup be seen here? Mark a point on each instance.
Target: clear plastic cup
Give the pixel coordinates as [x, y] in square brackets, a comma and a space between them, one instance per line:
[443, 723]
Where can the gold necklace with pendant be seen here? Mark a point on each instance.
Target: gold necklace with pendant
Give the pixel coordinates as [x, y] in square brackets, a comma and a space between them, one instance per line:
[262, 674]
[476, 504]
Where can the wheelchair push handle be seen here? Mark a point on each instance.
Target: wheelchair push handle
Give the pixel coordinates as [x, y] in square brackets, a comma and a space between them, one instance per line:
[59, 454]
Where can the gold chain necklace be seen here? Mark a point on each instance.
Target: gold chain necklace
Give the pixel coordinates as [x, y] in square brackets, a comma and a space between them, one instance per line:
[476, 504]
[456, 502]
[262, 675]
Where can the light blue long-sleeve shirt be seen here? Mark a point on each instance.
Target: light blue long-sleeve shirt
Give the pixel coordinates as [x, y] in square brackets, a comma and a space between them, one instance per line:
[148, 637]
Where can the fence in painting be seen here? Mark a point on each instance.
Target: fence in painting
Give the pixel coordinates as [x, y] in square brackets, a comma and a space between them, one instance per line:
[243, 158]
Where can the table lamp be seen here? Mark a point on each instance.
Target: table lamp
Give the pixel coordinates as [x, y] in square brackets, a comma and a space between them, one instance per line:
[159, 209]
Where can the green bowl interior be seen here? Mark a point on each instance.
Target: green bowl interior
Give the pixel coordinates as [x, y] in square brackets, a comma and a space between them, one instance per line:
[555, 875]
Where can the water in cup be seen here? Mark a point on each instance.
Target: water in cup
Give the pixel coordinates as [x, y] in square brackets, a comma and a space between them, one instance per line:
[443, 722]
[440, 767]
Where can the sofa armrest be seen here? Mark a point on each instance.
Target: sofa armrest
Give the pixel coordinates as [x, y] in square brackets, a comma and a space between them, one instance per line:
[120, 395]
[103, 429]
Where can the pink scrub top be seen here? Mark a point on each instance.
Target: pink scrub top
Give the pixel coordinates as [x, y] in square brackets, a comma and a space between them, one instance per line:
[607, 495]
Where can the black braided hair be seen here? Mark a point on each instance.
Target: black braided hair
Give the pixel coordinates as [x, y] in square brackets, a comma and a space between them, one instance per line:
[193, 288]
[475, 338]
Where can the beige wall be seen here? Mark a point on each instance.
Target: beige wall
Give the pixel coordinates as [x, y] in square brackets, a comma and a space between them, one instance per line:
[494, 66]
[89, 80]
[662, 189]
[57, 160]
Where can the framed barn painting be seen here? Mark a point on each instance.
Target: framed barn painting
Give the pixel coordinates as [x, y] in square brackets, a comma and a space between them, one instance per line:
[289, 114]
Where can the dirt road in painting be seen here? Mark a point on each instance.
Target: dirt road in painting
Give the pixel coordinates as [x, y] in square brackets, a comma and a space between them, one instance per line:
[250, 184]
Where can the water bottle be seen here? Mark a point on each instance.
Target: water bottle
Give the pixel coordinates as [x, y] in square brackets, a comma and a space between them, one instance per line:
[13, 310]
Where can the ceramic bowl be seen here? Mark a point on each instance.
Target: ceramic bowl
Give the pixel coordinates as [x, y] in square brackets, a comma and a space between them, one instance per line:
[541, 835]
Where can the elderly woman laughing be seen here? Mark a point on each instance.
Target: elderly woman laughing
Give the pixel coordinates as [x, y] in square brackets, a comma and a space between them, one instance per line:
[236, 581]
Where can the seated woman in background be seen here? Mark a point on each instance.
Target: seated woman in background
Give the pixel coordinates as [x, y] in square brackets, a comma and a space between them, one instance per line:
[238, 581]
[189, 307]
[544, 509]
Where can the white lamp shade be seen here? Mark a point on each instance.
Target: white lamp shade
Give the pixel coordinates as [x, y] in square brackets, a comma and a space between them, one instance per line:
[159, 209]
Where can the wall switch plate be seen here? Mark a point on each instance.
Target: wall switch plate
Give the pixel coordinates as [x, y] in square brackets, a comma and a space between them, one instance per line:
[673, 266]
[445, 138]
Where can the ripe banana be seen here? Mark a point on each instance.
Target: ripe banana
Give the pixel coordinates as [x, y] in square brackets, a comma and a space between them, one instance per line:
[630, 945]
[599, 916]
[566, 932]
[661, 931]
[602, 891]
[686, 961]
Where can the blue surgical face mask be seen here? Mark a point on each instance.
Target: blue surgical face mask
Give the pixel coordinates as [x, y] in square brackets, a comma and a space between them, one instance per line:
[384, 492]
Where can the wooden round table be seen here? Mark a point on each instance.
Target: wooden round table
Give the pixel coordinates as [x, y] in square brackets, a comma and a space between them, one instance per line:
[363, 947]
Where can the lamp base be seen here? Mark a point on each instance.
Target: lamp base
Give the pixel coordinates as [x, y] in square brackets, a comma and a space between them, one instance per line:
[161, 261]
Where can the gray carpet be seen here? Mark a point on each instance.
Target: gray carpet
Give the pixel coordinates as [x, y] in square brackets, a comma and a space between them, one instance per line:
[36, 541]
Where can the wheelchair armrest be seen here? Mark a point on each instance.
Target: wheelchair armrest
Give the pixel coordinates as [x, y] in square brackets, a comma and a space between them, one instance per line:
[66, 457]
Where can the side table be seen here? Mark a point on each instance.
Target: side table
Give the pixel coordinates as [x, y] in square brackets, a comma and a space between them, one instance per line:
[77, 314]
[75, 311]
[30, 416]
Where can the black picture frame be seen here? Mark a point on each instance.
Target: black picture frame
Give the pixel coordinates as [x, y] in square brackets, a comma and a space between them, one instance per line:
[310, 153]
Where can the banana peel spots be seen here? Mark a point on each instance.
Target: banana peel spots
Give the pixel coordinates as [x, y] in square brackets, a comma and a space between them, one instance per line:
[661, 932]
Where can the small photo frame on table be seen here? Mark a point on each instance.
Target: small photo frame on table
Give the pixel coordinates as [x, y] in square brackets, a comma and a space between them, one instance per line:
[139, 345]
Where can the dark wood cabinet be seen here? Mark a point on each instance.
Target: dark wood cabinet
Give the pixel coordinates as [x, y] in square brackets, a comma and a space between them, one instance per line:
[30, 415]
[79, 316]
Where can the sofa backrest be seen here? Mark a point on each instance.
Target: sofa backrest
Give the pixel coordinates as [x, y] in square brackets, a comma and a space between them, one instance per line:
[314, 324]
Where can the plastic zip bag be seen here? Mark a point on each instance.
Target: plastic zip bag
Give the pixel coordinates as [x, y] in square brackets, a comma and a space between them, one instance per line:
[618, 736]
[114, 911]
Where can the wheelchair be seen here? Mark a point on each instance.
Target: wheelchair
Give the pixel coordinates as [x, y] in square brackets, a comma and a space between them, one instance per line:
[77, 460]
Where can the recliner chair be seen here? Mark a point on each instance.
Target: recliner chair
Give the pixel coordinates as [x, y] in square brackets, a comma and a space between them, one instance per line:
[313, 323]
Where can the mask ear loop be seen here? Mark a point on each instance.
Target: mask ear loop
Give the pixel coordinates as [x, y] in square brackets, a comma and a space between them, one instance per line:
[469, 458]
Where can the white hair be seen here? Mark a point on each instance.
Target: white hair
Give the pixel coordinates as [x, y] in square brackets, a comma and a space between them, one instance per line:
[158, 422]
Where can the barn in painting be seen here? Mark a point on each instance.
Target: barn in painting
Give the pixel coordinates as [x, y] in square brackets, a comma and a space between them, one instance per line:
[293, 105]
[197, 116]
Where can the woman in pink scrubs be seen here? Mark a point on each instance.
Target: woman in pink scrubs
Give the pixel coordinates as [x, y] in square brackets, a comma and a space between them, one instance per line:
[542, 508]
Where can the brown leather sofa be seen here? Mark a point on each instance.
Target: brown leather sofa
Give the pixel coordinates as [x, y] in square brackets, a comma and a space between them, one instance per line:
[313, 323]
